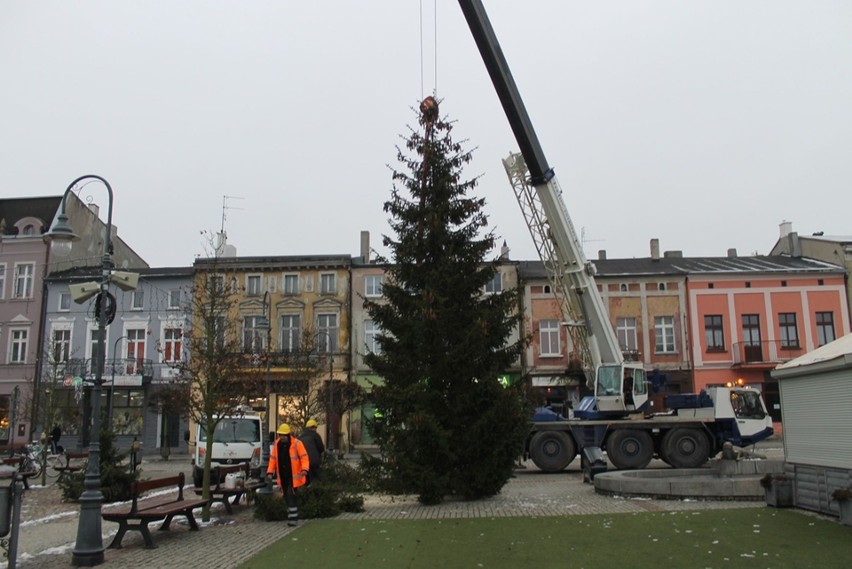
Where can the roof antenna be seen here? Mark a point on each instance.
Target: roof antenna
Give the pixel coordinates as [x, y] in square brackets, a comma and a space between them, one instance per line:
[225, 207]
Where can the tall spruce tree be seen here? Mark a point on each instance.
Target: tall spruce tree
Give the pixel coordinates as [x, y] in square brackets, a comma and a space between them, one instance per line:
[447, 426]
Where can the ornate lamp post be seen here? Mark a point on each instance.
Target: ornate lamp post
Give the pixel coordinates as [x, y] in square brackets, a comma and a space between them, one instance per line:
[89, 548]
[264, 460]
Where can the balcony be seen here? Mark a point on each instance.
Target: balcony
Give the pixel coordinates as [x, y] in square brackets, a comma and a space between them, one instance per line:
[764, 354]
[125, 371]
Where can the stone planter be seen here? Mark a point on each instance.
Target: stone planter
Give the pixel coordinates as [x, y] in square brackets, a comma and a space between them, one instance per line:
[779, 492]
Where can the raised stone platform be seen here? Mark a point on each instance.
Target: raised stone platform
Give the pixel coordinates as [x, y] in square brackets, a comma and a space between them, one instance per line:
[722, 480]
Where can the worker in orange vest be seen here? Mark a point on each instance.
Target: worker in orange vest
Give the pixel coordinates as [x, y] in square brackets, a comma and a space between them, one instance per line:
[290, 476]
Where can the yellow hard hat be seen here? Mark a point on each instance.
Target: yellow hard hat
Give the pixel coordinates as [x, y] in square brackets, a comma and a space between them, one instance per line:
[283, 429]
[311, 423]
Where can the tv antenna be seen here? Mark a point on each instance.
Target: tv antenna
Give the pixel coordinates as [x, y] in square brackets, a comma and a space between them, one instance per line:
[226, 207]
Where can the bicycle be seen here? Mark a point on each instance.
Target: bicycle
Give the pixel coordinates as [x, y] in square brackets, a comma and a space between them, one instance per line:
[35, 456]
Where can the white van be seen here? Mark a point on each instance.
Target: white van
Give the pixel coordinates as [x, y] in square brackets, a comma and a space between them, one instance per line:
[237, 439]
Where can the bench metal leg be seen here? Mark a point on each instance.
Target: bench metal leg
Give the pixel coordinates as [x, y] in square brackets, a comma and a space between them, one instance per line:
[116, 541]
[146, 535]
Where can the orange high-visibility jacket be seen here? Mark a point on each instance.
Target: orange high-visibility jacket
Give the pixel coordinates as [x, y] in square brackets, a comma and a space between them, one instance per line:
[299, 462]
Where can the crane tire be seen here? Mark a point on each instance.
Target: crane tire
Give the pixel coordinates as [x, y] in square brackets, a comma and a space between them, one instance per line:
[686, 447]
[552, 451]
[630, 449]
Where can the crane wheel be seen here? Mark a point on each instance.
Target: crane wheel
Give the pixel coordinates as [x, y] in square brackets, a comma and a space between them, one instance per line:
[552, 451]
[630, 449]
[686, 447]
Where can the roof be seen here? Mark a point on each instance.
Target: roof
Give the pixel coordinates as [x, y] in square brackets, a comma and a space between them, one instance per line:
[14, 209]
[273, 262]
[838, 352]
[682, 266]
[79, 273]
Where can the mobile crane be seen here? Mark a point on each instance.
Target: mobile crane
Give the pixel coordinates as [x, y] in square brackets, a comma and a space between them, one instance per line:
[617, 418]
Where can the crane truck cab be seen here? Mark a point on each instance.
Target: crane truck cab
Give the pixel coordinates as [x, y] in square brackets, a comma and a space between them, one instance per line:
[236, 440]
[621, 388]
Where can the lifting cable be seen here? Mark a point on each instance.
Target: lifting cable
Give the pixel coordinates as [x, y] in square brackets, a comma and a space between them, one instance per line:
[435, 54]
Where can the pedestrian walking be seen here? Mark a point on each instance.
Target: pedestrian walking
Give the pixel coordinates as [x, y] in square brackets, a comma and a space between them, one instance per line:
[315, 447]
[55, 435]
[289, 462]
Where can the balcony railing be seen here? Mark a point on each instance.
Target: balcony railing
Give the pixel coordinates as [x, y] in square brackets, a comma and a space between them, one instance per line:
[117, 367]
[765, 352]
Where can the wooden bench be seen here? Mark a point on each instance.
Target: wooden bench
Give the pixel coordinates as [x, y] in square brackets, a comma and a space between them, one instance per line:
[230, 497]
[143, 512]
[67, 467]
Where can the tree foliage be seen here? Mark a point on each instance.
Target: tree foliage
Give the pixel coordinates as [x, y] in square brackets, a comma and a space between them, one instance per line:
[447, 425]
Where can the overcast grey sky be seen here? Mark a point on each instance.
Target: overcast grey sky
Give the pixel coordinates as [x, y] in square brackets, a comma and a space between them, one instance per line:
[702, 123]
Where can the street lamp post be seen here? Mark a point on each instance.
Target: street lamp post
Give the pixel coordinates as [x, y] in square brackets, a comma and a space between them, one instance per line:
[112, 379]
[329, 427]
[264, 461]
[89, 548]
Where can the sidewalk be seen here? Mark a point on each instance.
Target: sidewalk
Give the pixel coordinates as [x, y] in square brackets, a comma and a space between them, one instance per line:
[229, 540]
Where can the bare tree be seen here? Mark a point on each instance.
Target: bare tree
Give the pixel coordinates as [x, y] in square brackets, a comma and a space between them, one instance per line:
[216, 378]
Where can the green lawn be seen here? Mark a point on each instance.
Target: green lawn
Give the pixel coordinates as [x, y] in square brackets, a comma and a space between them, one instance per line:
[750, 538]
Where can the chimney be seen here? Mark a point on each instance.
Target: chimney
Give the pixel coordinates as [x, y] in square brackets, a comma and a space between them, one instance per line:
[794, 245]
[655, 249]
[504, 251]
[93, 207]
[602, 255]
[732, 252]
[673, 254]
[365, 246]
[786, 227]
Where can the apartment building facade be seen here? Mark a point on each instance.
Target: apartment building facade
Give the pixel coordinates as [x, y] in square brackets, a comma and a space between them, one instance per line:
[280, 300]
[143, 343]
[25, 259]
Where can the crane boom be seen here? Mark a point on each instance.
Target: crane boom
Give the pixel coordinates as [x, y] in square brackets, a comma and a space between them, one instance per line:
[559, 248]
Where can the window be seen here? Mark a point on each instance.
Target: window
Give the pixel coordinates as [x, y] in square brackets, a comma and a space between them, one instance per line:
[172, 344]
[135, 350]
[18, 351]
[24, 280]
[93, 346]
[371, 337]
[753, 351]
[291, 332]
[291, 284]
[219, 330]
[64, 301]
[253, 285]
[174, 299]
[254, 333]
[327, 333]
[328, 283]
[661, 286]
[623, 288]
[825, 327]
[137, 299]
[746, 405]
[549, 344]
[216, 284]
[625, 329]
[714, 333]
[127, 411]
[61, 345]
[664, 334]
[373, 285]
[2, 281]
[788, 331]
[495, 285]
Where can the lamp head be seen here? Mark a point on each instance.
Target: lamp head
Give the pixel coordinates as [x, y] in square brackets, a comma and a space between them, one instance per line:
[60, 236]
